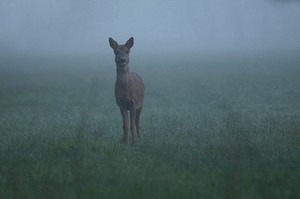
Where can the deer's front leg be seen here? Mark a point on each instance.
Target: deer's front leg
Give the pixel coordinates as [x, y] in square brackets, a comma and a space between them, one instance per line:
[125, 124]
[132, 122]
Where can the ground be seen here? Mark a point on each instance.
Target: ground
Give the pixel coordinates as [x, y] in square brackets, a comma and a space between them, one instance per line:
[213, 126]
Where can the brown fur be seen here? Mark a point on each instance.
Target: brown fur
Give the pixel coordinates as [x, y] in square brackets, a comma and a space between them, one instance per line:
[129, 89]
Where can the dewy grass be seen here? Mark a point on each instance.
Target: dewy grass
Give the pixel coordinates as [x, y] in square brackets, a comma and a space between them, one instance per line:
[210, 128]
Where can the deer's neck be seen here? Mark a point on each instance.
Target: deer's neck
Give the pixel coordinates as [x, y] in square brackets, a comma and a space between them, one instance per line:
[123, 77]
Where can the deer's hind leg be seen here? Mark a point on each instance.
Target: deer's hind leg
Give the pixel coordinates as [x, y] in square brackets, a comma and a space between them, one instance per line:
[137, 120]
[132, 122]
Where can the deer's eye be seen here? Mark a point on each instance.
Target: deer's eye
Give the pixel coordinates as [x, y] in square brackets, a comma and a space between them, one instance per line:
[116, 52]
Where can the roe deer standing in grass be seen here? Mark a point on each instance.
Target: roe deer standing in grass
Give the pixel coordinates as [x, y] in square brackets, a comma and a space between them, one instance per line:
[129, 89]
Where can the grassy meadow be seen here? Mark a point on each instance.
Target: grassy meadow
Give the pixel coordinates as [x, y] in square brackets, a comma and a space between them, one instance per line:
[213, 126]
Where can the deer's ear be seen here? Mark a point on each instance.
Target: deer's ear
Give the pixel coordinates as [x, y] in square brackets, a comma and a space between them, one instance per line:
[129, 43]
[113, 44]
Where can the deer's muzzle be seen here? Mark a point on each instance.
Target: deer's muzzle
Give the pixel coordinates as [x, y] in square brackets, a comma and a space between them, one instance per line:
[123, 61]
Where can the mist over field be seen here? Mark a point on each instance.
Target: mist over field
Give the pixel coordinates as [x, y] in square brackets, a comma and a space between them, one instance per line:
[52, 26]
[221, 116]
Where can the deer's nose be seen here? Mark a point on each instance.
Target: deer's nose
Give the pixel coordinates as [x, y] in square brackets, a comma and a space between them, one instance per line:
[123, 60]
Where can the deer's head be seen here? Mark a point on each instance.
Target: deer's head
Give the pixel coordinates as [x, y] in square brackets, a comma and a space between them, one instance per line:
[121, 52]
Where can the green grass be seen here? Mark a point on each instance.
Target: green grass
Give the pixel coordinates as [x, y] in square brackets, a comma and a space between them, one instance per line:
[213, 126]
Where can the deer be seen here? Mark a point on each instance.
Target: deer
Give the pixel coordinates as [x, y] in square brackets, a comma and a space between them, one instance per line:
[129, 89]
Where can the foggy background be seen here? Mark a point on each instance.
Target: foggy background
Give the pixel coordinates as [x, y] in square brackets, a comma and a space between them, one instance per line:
[84, 26]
